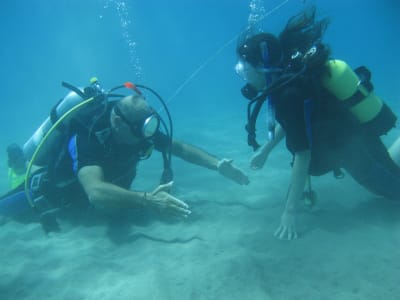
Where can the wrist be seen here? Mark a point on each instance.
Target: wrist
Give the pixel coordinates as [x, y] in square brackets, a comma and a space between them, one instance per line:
[218, 164]
[266, 149]
[144, 199]
[291, 206]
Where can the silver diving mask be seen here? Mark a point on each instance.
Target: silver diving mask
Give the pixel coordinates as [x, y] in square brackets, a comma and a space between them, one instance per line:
[144, 128]
[249, 73]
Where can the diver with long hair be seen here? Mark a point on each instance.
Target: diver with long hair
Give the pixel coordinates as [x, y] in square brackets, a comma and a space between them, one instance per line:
[330, 115]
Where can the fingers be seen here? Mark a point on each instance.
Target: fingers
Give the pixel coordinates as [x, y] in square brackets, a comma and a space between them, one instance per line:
[257, 162]
[244, 180]
[238, 176]
[166, 203]
[228, 170]
[169, 204]
[162, 187]
[279, 232]
[254, 166]
[179, 211]
[291, 234]
[286, 233]
[175, 201]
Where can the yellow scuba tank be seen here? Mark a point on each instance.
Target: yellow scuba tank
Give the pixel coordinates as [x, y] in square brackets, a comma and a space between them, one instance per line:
[355, 94]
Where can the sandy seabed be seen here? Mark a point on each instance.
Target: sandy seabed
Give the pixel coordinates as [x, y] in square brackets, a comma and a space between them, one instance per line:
[348, 248]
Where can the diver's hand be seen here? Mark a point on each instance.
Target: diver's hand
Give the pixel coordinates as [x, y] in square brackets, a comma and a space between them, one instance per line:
[163, 188]
[164, 202]
[287, 228]
[225, 168]
[258, 160]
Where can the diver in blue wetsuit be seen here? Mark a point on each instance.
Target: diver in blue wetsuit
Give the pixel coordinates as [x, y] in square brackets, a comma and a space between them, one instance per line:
[93, 157]
[329, 113]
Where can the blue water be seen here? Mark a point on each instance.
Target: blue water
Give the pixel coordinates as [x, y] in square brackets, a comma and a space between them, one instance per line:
[185, 50]
[45, 42]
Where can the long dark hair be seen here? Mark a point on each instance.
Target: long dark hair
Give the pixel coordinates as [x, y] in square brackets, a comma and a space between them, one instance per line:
[303, 31]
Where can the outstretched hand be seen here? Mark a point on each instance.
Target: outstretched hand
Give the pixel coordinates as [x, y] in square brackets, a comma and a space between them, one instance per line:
[227, 169]
[164, 202]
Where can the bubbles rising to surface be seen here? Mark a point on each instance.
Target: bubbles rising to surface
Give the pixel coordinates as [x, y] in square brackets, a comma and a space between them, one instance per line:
[125, 20]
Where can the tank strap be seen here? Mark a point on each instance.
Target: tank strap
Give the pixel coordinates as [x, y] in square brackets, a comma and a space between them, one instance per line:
[364, 88]
[53, 112]
[54, 117]
[353, 100]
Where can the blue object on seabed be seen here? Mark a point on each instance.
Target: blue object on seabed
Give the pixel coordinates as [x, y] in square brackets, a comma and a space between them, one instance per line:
[14, 204]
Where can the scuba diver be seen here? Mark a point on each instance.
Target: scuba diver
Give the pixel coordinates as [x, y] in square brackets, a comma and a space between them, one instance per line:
[329, 113]
[86, 153]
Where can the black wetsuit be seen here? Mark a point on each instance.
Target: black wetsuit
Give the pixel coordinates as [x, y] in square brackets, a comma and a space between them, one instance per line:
[88, 142]
[314, 120]
[92, 144]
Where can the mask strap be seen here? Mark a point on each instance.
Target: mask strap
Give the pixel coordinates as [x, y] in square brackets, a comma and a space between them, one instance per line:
[271, 121]
[264, 54]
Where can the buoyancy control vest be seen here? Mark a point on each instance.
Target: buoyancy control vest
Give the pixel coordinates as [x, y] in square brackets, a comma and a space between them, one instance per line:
[352, 88]
[52, 133]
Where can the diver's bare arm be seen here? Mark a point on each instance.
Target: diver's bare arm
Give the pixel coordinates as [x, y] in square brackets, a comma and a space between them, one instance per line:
[298, 181]
[194, 155]
[270, 145]
[104, 194]
[258, 160]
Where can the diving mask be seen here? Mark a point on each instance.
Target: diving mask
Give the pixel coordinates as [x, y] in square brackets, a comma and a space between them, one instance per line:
[144, 128]
[150, 126]
[249, 73]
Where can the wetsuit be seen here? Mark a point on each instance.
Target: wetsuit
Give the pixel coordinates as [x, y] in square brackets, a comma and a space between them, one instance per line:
[314, 120]
[94, 145]
[89, 143]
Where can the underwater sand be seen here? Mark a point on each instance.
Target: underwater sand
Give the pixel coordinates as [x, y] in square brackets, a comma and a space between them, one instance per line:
[348, 246]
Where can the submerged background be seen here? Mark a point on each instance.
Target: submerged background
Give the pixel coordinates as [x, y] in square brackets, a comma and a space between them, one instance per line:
[185, 50]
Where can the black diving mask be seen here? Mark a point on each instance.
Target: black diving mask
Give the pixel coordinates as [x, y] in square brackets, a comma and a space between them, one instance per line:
[143, 128]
